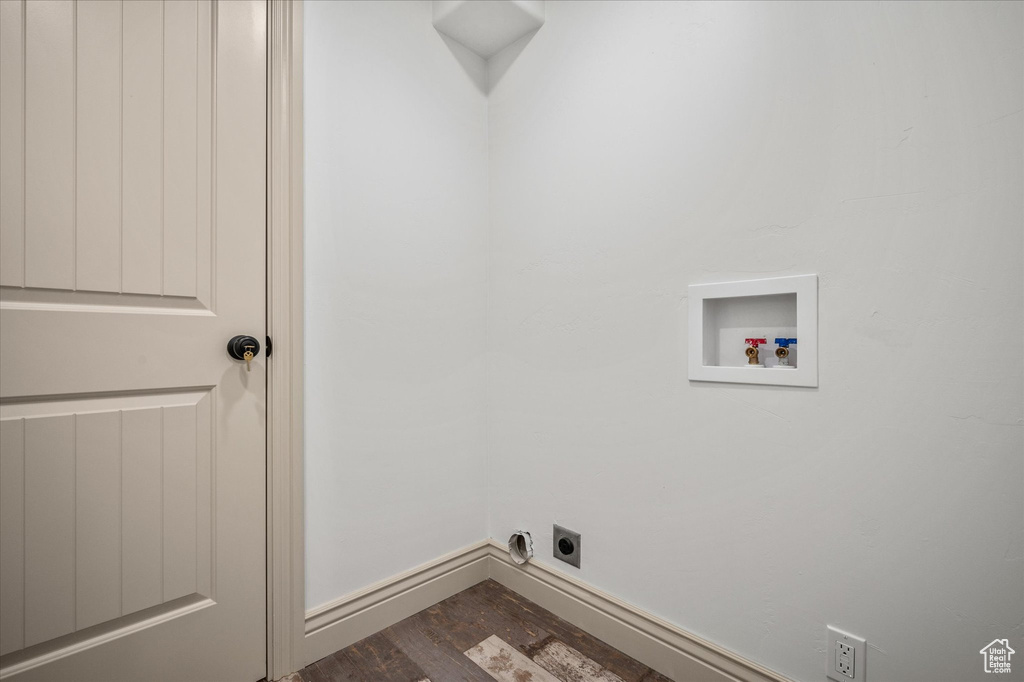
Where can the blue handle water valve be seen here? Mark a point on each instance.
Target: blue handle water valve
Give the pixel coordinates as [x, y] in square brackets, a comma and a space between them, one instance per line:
[782, 352]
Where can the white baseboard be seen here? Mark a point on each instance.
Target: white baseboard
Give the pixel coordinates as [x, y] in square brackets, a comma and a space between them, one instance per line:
[647, 638]
[654, 642]
[347, 620]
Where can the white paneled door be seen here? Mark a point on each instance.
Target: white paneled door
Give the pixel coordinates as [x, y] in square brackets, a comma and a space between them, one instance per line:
[132, 248]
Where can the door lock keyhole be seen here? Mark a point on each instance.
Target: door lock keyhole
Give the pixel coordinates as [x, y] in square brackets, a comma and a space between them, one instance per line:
[244, 348]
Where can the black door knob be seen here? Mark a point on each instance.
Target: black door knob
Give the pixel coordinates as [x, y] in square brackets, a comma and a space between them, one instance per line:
[238, 346]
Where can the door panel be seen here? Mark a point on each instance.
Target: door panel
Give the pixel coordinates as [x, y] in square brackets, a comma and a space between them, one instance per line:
[132, 448]
[107, 189]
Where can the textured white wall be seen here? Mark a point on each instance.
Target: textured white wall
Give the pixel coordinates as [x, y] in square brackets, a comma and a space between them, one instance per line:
[639, 147]
[396, 213]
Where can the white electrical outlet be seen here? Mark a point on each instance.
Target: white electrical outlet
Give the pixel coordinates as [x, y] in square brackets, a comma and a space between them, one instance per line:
[847, 656]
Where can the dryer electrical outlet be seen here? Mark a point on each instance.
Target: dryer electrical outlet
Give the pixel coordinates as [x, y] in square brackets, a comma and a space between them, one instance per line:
[846, 657]
[566, 545]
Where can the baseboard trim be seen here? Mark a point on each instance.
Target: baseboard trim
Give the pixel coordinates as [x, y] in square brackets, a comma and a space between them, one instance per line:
[347, 620]
[657, 643]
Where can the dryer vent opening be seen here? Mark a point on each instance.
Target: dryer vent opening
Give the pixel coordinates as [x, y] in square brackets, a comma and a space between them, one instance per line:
[520, 547]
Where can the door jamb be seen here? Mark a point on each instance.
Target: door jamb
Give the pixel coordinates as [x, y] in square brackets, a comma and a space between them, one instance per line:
[285, 509]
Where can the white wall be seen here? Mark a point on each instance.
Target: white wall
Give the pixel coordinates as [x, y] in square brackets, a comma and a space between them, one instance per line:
[396, 211]
[640, 147]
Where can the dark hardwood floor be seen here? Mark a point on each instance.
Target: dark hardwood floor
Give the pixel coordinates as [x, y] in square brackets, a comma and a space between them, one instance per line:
[510, 636]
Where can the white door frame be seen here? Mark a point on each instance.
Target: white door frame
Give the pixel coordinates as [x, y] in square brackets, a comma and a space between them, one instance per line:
[285, 510]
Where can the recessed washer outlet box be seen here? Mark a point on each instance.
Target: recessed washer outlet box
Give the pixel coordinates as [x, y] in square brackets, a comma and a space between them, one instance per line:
[723, 315]
[565, 545]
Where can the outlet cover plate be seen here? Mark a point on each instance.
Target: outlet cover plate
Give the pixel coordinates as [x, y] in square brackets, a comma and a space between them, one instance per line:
[845, 654]
[572, 558]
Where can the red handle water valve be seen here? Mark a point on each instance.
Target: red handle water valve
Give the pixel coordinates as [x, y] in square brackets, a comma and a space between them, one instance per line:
[755, 342]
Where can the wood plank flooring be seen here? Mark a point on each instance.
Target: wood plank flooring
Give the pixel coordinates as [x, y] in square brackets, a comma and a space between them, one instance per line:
[482, 634]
